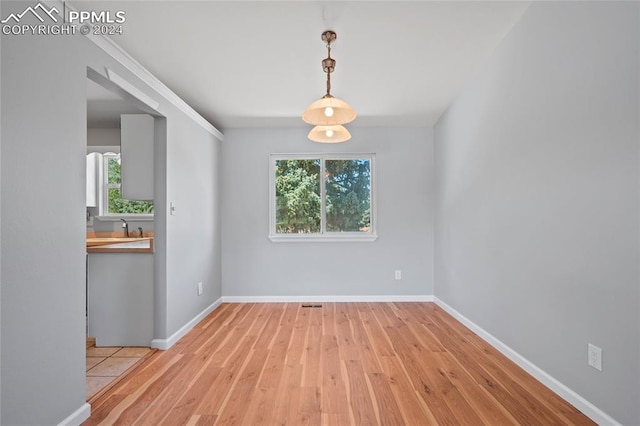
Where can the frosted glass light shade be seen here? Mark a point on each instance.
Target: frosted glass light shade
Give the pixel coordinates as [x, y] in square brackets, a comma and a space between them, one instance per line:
[316, 113]
[329, 134]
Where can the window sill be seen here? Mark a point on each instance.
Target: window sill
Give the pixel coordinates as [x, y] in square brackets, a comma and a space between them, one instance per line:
[128, 217]
[341, 238]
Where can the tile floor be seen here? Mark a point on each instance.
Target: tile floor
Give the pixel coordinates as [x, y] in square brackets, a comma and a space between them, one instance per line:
[106, 364]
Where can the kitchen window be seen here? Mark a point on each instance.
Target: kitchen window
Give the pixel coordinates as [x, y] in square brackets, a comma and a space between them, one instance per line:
[113, 204]
[327, 197]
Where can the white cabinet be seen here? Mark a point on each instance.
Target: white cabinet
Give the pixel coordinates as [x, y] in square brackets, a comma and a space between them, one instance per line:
[136, 150]
[94, 173]
[120, 298]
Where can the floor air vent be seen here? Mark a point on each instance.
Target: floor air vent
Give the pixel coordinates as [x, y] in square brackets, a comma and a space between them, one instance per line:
[311, 306]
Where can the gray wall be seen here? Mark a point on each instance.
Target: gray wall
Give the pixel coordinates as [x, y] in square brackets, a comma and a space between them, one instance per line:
[103, 137]
[255, 266]
[537, 198]
[43, 136]
[43, 253]
[193, 252]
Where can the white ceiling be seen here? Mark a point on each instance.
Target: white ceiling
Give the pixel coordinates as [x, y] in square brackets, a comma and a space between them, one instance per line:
[104, 107]
[250, 64]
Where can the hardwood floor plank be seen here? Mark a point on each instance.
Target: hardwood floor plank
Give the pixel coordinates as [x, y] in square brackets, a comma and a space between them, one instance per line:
[222, 348]
[334, 393]
[293, 407]
[414, 410]
[341, 364]
[234, 410]
[423, 383]
[240, 315]
[311, 358]
[261, 315]
[388, 410]
[212, 328]
[315, 316]
[414, 321]
[272, 372]
[271, 326]
[346, 342]
[384, 314]
[259, 410]
[183, 409]
[290, 315]
[135, 402]
[531, 385]
[99, 414]
[221, 388]
[378, 338]
[146, 374]
[298, 338]
[505, 390]
[479, 399]
[359, 395]
[288, 395]
[156, 392]
[206, 420]
[366, 353]
[199, 331]
[329, 319]
[332, 419]
[309, 407]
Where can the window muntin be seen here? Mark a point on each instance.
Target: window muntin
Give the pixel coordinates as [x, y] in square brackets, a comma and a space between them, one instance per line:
[337, 207]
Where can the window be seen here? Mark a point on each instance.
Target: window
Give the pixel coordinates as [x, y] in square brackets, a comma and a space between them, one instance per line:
[322, 197]
[113, 203]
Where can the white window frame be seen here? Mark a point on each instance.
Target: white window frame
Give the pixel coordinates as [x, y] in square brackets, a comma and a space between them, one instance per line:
[105, 215]
[323, 235]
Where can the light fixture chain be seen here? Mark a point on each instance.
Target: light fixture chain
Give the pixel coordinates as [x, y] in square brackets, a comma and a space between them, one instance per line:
[328, 114]
[328, 65]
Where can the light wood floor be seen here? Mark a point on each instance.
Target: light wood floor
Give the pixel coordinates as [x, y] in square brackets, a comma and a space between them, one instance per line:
[341, 364]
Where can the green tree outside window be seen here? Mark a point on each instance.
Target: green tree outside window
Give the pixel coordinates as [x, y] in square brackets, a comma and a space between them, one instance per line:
[299, 191]
[115, 203]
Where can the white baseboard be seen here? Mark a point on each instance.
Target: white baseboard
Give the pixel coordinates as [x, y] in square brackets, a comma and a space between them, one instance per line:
[165, 344]
[296, 299]
[587, 408]
[77, 417]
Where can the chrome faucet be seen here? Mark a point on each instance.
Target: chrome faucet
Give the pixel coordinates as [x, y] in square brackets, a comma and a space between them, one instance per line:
[125, 226]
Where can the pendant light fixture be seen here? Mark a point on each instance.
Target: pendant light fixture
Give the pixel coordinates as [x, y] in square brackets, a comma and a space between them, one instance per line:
[328, 114]
[329, 134]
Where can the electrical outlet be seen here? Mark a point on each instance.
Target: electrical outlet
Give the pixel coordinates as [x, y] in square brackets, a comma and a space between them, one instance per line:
[595, 357]
[398, 274]
[199, 289]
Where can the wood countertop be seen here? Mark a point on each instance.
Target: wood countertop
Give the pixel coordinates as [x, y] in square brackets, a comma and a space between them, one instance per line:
[119, 245]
